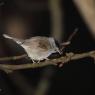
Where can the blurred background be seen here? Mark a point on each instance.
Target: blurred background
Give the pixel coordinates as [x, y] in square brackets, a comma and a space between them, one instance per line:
[56, 18]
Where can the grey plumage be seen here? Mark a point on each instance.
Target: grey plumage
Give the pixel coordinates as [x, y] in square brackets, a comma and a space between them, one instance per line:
[37, 48]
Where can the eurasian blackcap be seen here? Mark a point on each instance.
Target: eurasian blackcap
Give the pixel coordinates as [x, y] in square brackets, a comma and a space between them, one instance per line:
[38, 48]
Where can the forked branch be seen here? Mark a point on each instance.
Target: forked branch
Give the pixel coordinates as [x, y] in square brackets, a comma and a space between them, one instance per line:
[64, 59]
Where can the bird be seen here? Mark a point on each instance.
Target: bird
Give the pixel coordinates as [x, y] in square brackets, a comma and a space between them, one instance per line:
[38, 48]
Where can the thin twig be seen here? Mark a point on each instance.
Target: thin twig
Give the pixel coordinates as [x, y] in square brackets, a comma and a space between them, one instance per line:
[72, 35]
[64, 59]
[65, 44]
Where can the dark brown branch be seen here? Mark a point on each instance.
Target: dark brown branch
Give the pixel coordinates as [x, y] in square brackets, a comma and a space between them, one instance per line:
[64, 59]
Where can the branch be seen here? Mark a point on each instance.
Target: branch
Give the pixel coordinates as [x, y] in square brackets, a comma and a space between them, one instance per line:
[64, 59]
[13, 57]
[87, 10]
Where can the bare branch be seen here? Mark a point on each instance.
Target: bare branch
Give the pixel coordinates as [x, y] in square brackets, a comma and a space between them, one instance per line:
[13, 57]
[87, 10]
[64, 59]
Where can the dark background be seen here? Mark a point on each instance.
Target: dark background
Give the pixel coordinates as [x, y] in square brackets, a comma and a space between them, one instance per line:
[74, 78]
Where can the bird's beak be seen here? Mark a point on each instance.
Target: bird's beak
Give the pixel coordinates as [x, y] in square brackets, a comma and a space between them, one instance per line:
[58, 50]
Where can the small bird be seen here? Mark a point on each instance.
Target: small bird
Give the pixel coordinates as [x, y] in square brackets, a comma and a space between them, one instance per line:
[37, 48]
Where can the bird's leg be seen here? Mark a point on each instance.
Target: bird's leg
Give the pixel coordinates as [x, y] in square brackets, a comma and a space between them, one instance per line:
[38, 61]
[47, 58]
[33, 61]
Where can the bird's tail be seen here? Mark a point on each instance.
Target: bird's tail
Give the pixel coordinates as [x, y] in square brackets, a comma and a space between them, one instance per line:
[7, 36]
[19, 41]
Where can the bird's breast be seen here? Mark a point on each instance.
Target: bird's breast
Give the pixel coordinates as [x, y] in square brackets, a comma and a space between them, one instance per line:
[38, 55]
